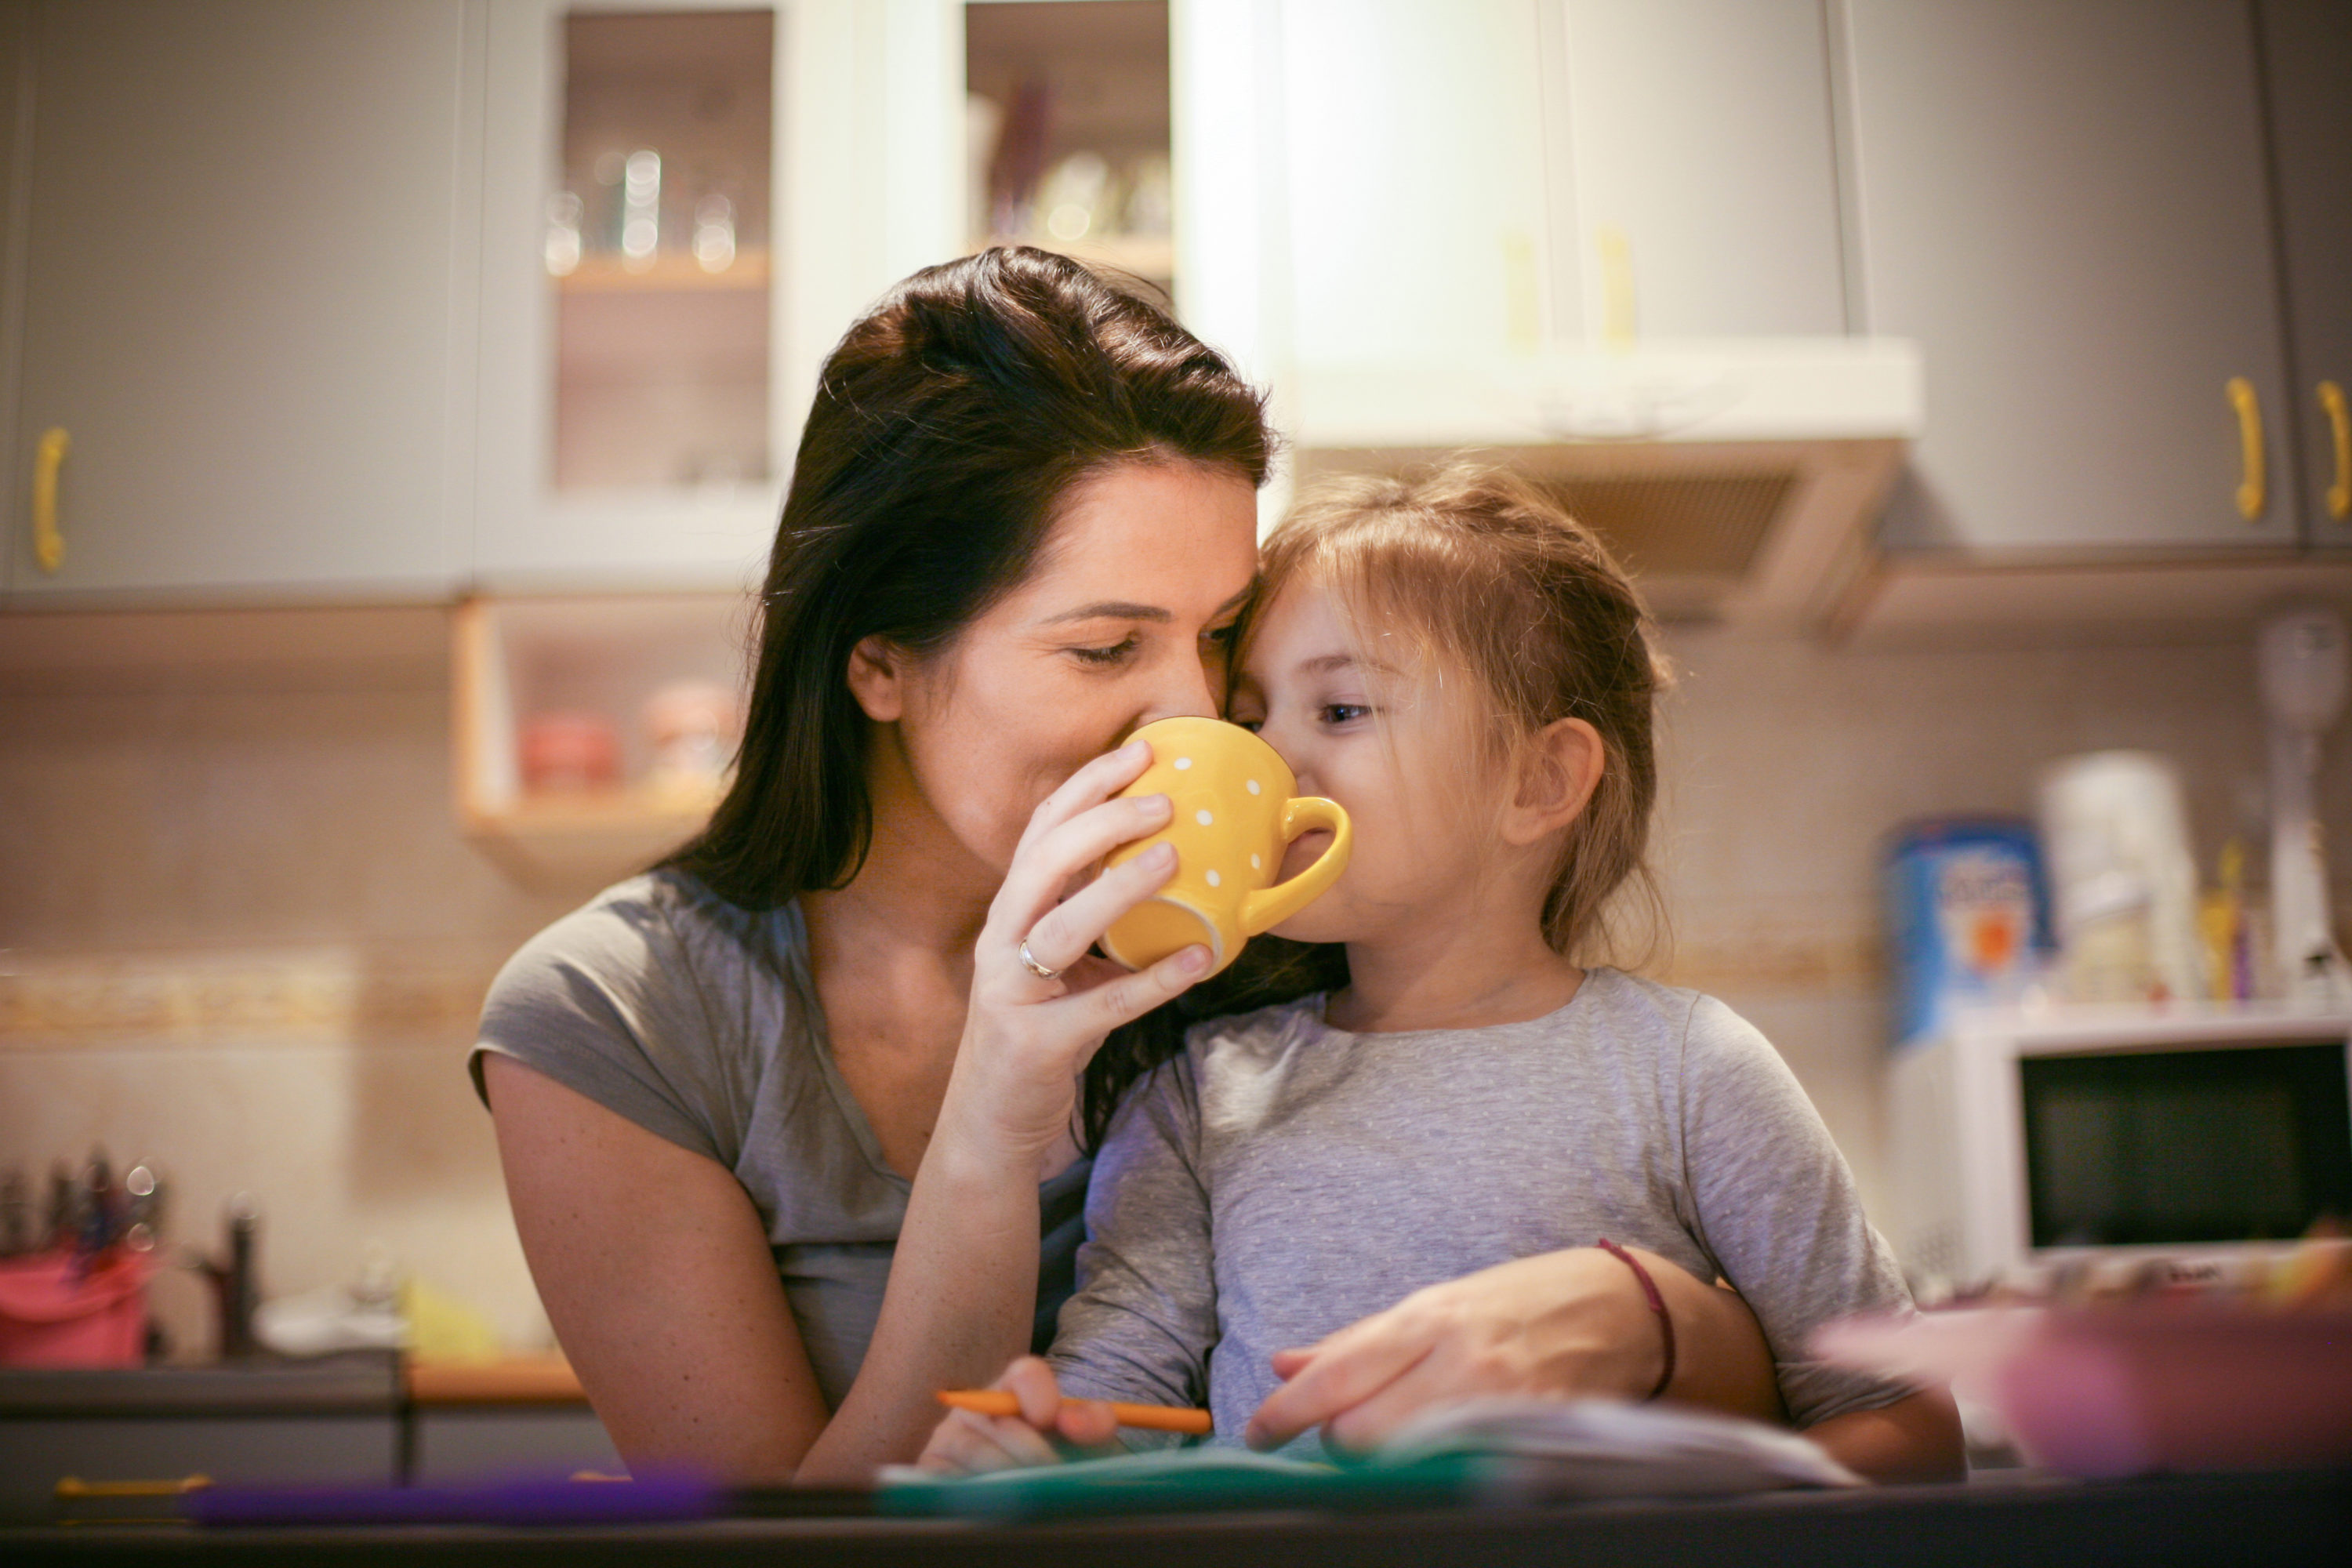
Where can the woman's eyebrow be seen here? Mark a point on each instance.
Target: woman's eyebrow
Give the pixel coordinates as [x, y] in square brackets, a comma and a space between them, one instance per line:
[1127, 610]
[1110, 610]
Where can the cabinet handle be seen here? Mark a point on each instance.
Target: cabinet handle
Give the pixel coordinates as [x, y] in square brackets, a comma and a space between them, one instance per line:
[2251, 488]
[48, 544]
[2339, 494]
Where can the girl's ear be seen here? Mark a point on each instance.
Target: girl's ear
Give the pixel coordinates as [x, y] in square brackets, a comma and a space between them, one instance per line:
[1557, 770]
[877, 679]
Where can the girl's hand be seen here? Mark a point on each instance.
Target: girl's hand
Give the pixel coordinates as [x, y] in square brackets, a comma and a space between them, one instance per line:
[1027, 1039]
[1562, 1324]
[967, 1442]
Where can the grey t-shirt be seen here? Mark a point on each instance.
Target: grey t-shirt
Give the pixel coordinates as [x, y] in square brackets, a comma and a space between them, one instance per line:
[698, 1020]
[1283, 1178]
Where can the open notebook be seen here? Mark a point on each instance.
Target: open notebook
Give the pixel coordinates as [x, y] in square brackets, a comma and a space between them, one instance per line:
[1503, 1451]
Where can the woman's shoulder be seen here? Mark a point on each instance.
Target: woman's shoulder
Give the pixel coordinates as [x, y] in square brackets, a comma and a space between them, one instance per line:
[652, 998]
[661, 928]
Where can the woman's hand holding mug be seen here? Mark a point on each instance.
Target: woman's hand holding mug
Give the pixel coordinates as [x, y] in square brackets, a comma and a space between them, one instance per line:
[1041, 1001]
[1189, 820]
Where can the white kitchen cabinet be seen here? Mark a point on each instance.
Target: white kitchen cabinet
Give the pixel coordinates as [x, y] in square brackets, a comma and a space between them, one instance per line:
[1465, 177]
[1700, 131]
[2307, 61]
[2066, 207]
[638, 422]
[242, 259]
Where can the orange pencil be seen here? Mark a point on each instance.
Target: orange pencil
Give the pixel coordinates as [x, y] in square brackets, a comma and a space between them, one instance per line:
[1156, 1417]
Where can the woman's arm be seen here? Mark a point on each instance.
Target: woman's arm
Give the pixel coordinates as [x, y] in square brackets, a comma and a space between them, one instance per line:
[654, 1269]
[963, 1291]
[1564, 1323]
[654, 1263]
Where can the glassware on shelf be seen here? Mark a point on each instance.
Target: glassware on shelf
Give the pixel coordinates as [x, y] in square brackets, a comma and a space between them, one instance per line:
[1068, 131]
[662, 341]
[714, 233]
[565, 211]
[640, 208]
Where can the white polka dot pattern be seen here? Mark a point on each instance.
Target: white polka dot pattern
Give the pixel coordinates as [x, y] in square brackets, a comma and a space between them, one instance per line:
[1181, 763]
[1203, 818]
[1216, 880]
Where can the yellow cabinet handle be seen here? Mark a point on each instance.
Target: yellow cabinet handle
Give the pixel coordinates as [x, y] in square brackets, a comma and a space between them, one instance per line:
[2339, 494]
[2251, 488]
[48, 544]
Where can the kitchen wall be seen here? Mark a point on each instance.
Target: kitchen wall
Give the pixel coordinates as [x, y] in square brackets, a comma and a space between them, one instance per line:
[240, 935]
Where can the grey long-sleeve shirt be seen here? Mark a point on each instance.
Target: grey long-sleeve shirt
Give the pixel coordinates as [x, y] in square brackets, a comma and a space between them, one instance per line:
[1281, 1179]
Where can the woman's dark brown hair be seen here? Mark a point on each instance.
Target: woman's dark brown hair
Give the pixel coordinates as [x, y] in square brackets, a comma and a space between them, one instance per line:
[948, 423]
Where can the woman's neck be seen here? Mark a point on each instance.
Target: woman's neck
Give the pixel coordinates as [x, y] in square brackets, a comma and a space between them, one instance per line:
[1482, 962]
[922, 893]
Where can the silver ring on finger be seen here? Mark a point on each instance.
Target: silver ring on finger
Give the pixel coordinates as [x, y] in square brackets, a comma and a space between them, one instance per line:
[1029, 961]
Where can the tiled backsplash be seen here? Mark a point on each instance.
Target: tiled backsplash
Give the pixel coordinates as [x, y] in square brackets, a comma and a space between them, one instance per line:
[241, 936]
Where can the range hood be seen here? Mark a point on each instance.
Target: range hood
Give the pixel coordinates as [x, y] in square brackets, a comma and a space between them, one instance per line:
[1738, 478]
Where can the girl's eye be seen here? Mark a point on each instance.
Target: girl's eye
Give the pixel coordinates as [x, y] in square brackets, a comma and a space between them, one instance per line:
[1344, 712]
[1103, 657]
[1222, 635]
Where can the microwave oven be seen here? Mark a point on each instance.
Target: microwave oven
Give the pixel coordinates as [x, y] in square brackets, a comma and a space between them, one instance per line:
[2203, 1134]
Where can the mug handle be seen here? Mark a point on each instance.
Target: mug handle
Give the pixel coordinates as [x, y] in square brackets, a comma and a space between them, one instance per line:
[1261, 911]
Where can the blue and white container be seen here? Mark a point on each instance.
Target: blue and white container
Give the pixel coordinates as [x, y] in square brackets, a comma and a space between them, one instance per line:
[1967, 916]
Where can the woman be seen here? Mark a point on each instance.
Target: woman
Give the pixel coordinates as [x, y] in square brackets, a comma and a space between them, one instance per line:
[793, 1126]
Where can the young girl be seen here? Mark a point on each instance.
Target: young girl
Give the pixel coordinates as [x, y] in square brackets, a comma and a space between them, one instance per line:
[1461, 667]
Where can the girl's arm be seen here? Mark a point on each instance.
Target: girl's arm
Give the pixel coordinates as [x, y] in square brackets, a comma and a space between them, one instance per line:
[1913, 1439]
[1777, 1207]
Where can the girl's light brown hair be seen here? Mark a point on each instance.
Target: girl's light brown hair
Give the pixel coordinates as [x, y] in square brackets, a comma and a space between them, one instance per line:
[1472, 568]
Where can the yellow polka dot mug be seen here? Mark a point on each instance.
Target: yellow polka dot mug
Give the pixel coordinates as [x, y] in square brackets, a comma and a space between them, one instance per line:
[1237, 809]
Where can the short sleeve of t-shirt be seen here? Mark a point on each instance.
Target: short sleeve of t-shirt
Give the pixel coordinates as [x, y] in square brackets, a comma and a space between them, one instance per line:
[1779, 1211]
[606, 1001]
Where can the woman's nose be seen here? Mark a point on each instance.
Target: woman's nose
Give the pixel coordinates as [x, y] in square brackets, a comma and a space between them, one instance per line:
[1193, 691]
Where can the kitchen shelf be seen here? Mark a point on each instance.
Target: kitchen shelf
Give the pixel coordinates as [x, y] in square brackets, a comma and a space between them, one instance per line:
[512, 658]
[669, 272]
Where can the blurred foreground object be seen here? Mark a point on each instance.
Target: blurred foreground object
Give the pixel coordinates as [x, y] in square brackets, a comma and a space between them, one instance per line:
[2256, 1378]
[2303, 661]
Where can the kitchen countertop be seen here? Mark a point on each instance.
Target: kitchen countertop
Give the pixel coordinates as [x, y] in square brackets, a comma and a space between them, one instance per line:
[351, 1383]
[517, 1380]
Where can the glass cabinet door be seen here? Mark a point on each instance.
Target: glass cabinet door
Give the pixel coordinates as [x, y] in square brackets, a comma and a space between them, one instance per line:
[1067, 131]
[632, 427]
[658, 251]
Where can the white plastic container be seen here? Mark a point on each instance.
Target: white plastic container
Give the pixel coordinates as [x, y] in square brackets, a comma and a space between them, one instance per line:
[2122, 882]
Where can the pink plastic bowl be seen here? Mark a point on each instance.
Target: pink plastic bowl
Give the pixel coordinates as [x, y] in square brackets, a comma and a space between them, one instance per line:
[56, 1311]
[2182, 1387]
